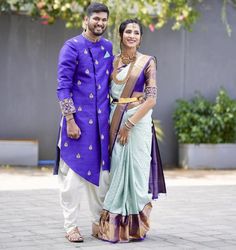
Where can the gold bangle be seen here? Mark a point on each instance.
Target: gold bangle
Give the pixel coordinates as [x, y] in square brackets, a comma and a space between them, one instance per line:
[133, 124]
[127, 126]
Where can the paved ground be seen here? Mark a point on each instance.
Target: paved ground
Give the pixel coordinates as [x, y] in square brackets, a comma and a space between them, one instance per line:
[199, 212]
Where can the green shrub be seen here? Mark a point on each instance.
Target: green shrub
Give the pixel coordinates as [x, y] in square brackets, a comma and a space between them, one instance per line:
[201, 121]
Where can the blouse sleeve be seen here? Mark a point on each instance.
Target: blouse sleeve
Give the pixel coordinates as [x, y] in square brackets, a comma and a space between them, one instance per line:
[150, 83]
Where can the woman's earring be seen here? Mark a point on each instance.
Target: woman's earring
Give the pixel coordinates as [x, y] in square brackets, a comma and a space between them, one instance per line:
[121, 46]
[138, 46]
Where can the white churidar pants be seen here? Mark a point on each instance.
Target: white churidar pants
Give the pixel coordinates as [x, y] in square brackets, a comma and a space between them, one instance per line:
[71, 189]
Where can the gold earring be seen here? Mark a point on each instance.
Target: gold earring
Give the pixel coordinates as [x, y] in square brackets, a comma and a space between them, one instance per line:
[121, 46]
[138, 46]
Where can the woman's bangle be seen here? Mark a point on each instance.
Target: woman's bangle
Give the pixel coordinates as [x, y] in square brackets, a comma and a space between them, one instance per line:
[133, 124]
[127, 126]
[69, 119]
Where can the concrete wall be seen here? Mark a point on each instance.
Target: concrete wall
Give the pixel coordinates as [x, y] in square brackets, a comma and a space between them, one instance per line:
[202, 60]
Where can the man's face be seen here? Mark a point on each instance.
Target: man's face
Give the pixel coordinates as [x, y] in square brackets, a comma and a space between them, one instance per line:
[97, 23]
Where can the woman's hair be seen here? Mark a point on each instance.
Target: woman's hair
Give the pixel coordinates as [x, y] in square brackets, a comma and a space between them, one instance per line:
[124, 24]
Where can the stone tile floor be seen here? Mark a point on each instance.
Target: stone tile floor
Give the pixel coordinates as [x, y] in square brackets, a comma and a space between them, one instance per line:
[199, 212]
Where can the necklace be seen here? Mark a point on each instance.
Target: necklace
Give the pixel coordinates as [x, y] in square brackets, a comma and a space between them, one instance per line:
[126, 59]
[115, 71]
[91, 39]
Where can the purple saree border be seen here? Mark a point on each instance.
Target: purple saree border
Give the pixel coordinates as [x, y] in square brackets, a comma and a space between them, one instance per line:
[156, 178]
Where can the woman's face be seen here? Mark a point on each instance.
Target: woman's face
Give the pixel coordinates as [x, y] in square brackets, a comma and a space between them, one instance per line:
[131, 36]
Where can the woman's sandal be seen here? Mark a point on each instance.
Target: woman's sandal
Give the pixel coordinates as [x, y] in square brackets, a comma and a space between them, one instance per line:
[74, 235]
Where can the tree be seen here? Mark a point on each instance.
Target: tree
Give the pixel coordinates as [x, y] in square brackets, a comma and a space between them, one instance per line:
[154, 14]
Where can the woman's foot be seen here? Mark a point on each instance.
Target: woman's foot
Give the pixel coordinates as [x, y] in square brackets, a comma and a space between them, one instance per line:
[95, 230]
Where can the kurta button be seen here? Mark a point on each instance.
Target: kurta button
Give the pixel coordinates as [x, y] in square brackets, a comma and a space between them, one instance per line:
[102, 137]
[103, 163]
[91, 95]
[90, 121]
[108, 96]
[107, 72]
[79, 108]
[89, 173]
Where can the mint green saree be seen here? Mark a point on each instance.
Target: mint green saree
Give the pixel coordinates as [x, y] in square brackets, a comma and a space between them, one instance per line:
[127, 205]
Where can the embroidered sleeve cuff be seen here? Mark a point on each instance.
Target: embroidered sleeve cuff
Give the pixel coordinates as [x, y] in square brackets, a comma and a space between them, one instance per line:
[67, 106]
[150, 92]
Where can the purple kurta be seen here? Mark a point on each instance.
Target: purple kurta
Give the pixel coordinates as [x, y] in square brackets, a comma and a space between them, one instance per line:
[83, 73]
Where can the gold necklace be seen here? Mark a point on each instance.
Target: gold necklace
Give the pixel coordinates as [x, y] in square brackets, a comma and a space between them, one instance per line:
[94, 40]
[115, 71]
[126, 59]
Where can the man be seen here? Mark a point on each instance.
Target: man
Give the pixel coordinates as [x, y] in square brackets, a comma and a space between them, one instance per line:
[85, 63]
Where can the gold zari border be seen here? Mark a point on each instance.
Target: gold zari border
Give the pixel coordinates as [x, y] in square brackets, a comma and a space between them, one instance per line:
[118, 228]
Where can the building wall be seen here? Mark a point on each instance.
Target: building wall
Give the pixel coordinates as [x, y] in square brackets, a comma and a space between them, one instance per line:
[203, 60]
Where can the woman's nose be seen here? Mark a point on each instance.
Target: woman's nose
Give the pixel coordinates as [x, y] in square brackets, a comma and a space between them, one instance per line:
[132, 34]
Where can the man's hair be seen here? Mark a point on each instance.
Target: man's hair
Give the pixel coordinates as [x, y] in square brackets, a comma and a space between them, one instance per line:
[97, 7]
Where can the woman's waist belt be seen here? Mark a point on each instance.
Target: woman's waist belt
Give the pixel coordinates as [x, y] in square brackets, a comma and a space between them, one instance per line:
[127, 100]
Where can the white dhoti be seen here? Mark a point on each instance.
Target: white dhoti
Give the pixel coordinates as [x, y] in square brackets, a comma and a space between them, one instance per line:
[71, 189]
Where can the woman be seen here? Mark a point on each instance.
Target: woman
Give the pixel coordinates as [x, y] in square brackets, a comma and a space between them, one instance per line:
[133, 89]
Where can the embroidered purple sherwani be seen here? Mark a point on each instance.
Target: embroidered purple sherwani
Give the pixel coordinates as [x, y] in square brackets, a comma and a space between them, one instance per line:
[83, 73]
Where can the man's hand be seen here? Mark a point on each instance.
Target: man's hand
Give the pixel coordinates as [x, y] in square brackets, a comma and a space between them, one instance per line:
[73, 131]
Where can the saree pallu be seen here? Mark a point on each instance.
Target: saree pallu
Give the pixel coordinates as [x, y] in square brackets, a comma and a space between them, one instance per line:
[127, 205]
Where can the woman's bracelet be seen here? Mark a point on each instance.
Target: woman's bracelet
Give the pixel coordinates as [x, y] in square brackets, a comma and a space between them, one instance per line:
[133, 124]
[127, 126]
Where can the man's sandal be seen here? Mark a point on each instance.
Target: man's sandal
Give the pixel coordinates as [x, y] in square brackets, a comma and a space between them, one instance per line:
[74, 235]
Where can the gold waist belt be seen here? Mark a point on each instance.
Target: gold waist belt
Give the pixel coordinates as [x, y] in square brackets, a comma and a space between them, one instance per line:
[126, 100]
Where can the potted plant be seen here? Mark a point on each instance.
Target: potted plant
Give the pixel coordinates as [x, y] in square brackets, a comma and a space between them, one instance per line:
[206, 131]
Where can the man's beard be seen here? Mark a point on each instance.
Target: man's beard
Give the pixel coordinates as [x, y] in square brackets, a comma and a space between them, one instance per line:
[92, 30]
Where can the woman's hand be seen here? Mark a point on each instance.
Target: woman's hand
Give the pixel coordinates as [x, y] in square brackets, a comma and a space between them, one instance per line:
[123, 135]
[73, 131]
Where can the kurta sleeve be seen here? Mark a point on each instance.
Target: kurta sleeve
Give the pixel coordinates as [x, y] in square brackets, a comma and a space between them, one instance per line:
[151, 82]
[66, 69]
